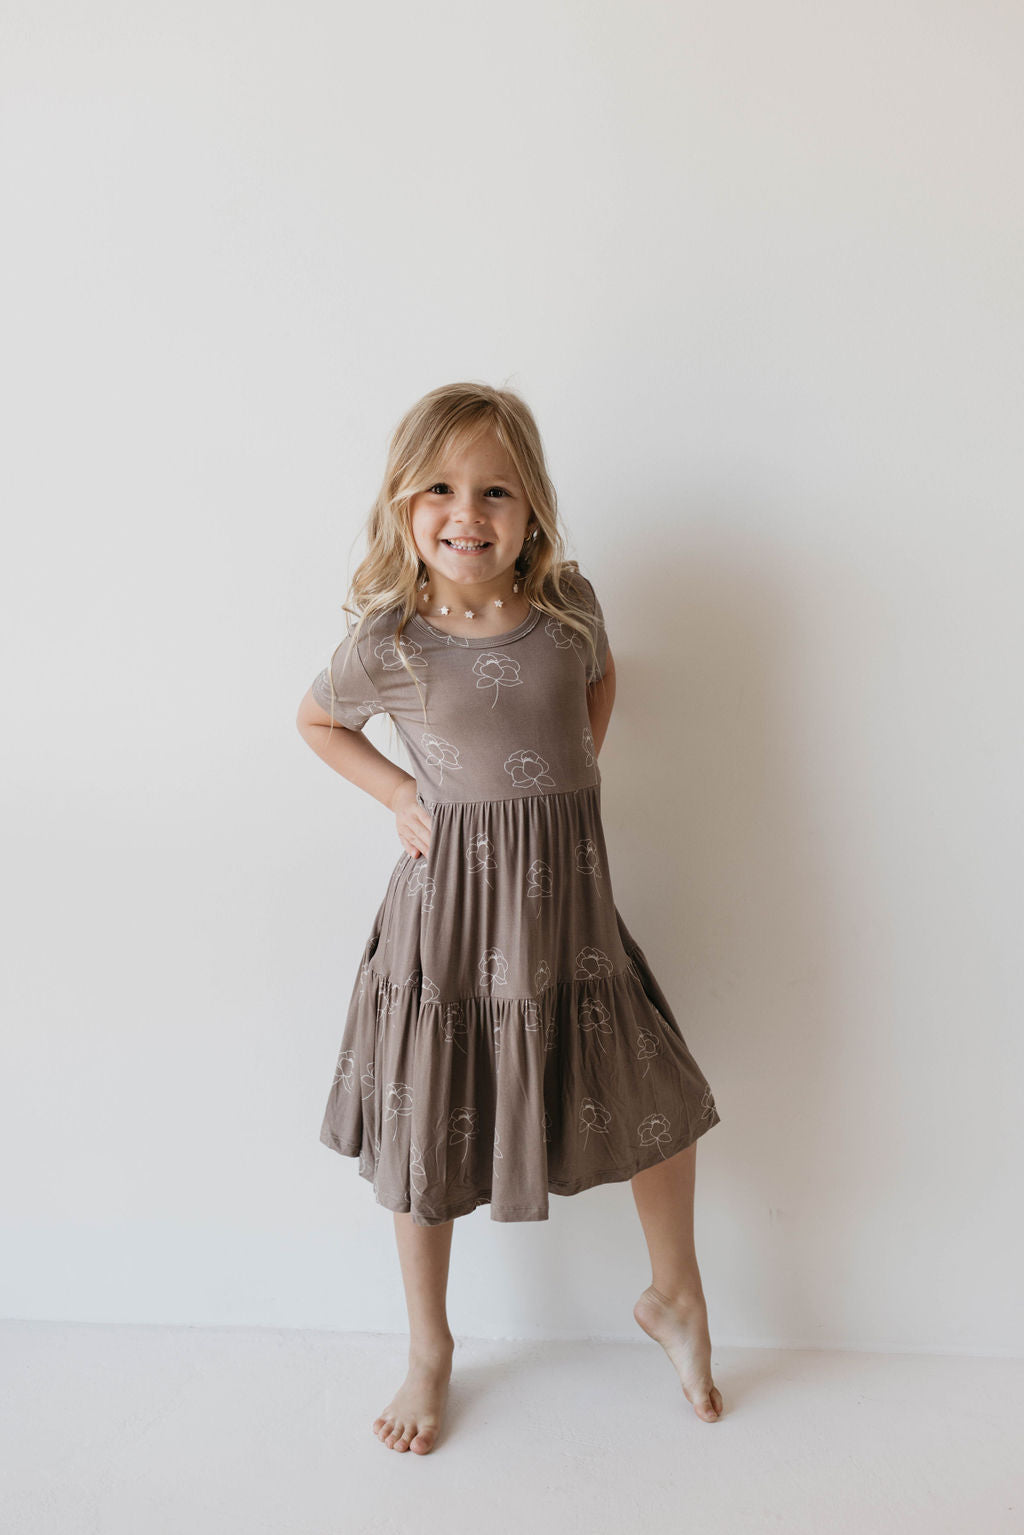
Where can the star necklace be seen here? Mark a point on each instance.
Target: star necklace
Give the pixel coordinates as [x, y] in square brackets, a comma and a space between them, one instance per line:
[470, 612]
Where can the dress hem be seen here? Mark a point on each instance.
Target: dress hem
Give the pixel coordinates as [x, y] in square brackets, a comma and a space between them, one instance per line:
[515, 1213]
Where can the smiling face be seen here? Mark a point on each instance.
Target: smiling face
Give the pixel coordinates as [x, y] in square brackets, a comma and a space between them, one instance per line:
[479, 498]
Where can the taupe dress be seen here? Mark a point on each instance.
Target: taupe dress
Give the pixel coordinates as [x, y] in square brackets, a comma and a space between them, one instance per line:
[505, 1038]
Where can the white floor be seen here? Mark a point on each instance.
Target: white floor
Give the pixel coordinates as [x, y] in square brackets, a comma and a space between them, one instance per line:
[142, 1431]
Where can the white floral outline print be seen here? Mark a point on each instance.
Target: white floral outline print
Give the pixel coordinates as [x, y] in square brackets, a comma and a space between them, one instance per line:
[429, 993]
[387, 654]
[541, 883]
[346, 1070]
[593, 1018]
[416, 1168]
[462, 1126]
[653, 1130]
[589, 754]
[440, 753]
[587, 861]
[528, 769]
[550, 1035]
[592, 963]
[493, 968]
[397, 1101]
[453, 1023]
[542, 976]
[498, 1153]
[370, 706]
[462, 640]
[420, 880]
[480, 855]
[546, 1125]
[497, 671]
[647, 1047]
[367, 706]
[593, 1116]
[707, 1104]
[367, 1079]
[564, 637]
[388, 998]
[531, 1016]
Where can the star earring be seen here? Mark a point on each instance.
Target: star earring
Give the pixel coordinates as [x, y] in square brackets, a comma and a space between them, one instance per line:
[524, 554]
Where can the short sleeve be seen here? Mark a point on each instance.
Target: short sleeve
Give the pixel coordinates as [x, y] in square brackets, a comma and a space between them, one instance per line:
[595, 671]
[354, 697]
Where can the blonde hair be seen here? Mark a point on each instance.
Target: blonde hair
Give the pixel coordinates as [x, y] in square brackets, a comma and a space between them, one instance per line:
[443, 422]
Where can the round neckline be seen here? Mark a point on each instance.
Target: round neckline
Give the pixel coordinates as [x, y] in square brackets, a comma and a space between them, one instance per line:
[488, 639]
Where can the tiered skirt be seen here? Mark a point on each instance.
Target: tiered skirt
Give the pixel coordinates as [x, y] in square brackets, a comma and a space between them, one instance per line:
[506, 1038]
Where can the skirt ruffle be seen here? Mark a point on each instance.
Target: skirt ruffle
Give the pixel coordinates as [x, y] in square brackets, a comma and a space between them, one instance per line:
[453, 1104]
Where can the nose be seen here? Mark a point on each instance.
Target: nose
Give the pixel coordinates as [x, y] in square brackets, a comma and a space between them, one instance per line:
[468, 512]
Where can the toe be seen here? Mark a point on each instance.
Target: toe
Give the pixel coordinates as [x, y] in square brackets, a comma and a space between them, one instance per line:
[424, 1441]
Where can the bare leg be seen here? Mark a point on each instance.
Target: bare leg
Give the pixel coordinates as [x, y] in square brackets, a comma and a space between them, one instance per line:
[412, 1419]
[673, 1309]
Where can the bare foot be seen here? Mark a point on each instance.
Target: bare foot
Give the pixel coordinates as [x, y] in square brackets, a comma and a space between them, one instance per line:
[681, 1327]
[412, 1419]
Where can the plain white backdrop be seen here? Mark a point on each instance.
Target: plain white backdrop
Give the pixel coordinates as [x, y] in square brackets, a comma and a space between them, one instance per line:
[757, 270]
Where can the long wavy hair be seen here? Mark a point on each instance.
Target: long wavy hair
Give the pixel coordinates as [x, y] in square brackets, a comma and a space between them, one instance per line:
[391, 573]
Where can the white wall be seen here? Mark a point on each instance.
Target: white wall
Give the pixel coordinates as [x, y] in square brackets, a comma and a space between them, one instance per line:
[757, 270]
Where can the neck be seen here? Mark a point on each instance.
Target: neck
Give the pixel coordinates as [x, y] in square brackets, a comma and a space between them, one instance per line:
[477, 595]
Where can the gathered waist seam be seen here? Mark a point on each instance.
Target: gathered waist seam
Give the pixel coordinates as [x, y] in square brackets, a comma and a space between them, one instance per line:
[509, 799]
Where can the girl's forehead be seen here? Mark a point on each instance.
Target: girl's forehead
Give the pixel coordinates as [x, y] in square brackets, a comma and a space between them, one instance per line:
[488, 455]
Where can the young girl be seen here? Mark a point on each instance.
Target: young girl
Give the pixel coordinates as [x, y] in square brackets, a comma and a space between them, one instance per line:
[505, 1036]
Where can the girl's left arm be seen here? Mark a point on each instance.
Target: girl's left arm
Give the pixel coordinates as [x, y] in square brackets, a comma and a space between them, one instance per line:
[600, 699]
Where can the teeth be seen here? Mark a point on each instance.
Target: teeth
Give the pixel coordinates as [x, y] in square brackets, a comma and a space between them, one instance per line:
[463, 544]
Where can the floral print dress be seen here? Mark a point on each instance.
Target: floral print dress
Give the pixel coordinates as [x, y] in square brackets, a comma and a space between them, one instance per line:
[505, 1037]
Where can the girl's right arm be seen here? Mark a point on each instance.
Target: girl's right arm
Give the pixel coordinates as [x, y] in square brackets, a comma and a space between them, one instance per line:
[349, 753]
